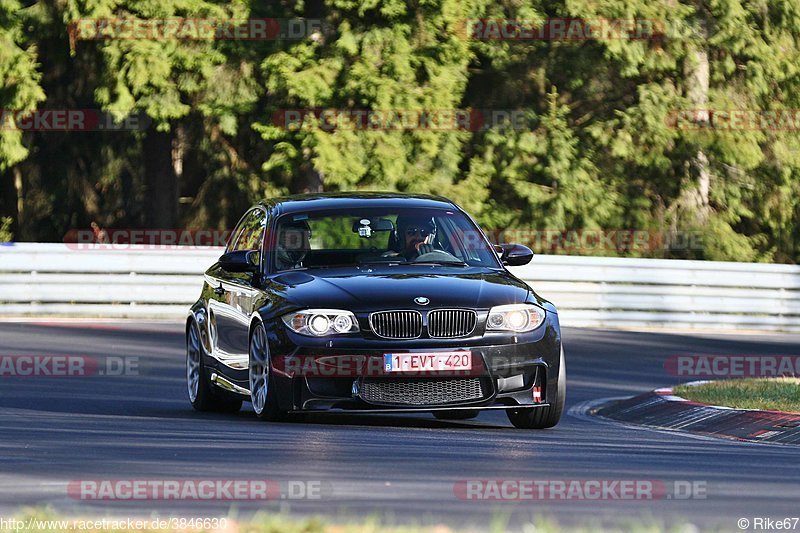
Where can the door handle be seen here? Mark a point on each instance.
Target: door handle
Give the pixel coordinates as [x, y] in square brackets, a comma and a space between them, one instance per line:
[219, 291]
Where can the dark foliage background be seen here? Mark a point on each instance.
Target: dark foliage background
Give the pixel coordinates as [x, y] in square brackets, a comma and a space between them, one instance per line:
[599, 152]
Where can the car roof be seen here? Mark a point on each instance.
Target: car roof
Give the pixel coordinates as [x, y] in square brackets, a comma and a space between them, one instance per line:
[337, 200]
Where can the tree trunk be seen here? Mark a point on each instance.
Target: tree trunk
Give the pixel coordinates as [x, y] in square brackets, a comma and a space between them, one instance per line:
[161, 182]
[20, 198]
[9, 198]
[696, 70]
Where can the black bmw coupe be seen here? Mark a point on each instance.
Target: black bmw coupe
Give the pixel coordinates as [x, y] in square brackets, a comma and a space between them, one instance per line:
[372, 302]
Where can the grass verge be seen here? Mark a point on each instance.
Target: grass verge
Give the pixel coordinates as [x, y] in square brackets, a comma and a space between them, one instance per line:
[774, 394]
[44, 520]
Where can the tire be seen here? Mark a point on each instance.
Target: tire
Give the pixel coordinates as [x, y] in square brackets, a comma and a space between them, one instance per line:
[458, 414]
[201, 392]
[544, 417]
[263, 393]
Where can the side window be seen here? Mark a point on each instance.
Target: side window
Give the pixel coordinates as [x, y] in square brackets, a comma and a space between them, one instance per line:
[236, 233]
[250, 232]
[447, 235]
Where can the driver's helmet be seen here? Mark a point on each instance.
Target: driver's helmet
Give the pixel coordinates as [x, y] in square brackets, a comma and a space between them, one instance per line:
[293, 244]
[407, 223]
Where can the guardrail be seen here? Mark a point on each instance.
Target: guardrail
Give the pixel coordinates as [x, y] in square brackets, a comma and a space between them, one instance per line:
[59, 280]
[54, 279]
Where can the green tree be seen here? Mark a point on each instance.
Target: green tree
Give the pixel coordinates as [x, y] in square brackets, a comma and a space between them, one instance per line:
[20, 92]
[540, 178]
[723, 55]
[379, 57]
[19, 80]
[196, 93]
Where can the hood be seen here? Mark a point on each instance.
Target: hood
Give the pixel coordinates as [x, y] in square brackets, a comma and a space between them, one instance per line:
[396, 288]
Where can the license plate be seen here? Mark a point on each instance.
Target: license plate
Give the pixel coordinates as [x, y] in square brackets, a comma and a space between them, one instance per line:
[427, 362]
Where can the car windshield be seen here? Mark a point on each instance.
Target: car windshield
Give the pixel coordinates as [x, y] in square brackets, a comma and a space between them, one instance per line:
[363, 237]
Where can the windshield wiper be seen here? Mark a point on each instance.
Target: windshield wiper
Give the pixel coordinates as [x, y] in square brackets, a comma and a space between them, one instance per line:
[423, 263]
[445, 263]
[393, 262]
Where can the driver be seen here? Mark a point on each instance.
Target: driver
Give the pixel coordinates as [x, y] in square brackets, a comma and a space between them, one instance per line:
[415, 236]
[293, 244]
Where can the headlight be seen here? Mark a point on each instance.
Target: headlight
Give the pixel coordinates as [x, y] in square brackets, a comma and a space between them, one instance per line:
[515, 317]
[321, 322]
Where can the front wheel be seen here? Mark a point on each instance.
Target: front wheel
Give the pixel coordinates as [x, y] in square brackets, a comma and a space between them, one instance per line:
[201, 393]
[263, 395]
[544, 417]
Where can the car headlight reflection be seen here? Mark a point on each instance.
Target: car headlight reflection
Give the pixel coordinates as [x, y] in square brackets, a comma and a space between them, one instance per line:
[515, 317]
[321, 322]
[343, 324]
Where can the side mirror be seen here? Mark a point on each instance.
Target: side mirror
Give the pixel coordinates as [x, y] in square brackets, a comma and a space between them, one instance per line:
[514, 254]
[240, 261]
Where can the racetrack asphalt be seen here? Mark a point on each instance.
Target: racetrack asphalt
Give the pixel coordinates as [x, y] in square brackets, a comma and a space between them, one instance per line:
[57, 430]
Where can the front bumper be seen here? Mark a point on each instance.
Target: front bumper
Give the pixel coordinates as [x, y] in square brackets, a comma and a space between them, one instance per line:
[325, 376]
